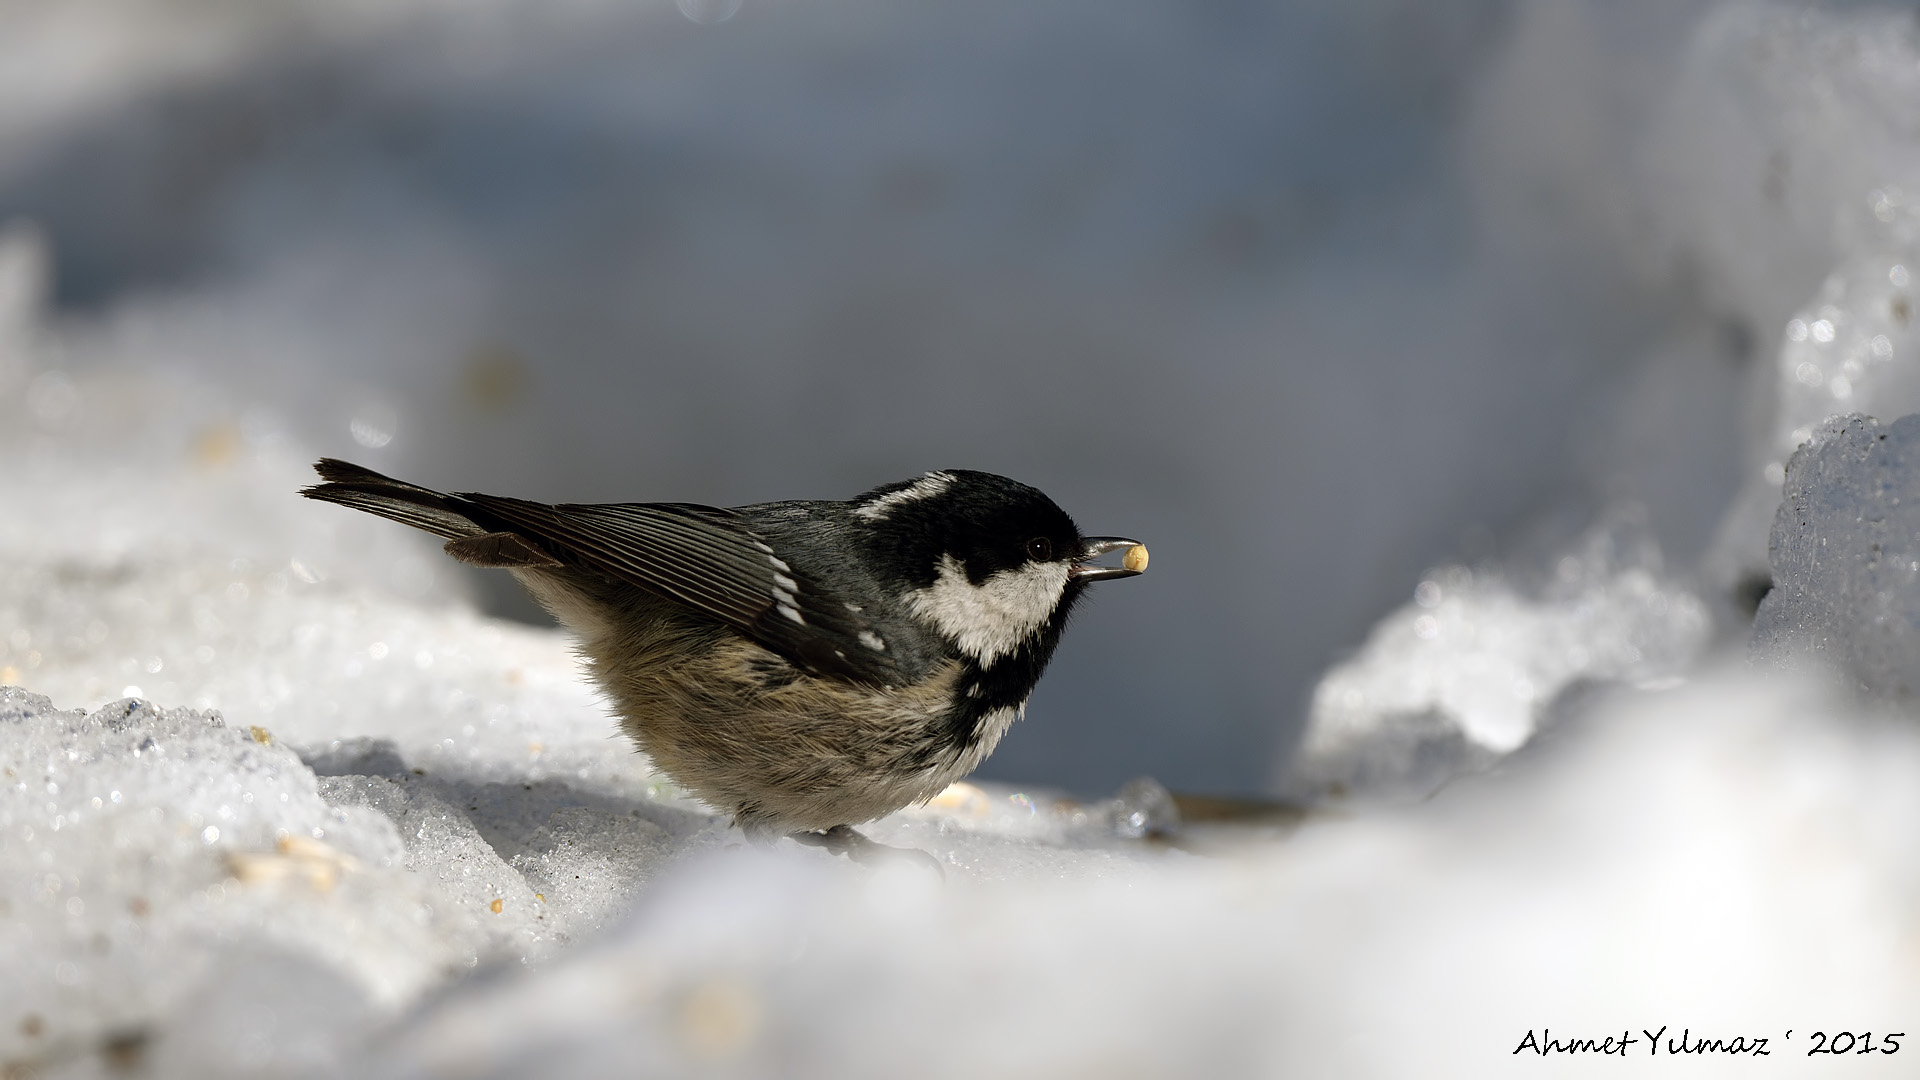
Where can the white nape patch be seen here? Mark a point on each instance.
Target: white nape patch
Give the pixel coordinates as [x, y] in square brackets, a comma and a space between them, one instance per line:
[872, 641]
[991, 619]
[929, 485]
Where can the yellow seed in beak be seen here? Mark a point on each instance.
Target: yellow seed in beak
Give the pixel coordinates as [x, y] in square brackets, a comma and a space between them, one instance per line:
[1135, 559]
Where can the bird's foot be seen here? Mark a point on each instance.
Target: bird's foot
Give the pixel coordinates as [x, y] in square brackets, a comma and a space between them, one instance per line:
[844, 840]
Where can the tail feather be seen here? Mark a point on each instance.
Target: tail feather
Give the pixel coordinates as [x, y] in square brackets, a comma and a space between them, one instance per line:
[351, 485]
[346, 472]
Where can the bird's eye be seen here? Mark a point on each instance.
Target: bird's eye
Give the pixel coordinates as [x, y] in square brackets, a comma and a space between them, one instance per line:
[1040, 549]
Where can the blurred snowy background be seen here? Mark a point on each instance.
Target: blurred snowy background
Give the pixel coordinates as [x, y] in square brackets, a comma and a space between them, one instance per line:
[1452, 359]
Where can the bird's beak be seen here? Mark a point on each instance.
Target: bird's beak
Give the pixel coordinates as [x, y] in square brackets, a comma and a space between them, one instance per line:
[1132, 564]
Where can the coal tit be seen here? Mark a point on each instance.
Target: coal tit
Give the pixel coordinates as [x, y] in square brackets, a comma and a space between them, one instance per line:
[804, 666]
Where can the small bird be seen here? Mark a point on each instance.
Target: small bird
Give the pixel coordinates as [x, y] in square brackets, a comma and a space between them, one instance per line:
[805, 666]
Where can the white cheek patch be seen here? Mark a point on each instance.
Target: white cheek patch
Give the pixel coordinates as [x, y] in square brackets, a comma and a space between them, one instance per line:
[991, 619]
[924, 488]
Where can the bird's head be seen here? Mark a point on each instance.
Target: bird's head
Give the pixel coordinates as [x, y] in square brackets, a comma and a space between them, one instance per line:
[989, 562]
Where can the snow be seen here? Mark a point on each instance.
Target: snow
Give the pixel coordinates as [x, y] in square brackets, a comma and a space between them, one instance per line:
[1376, 947]
[1469, 669]
[1846, 558]
[1760, 813]
[278, 798]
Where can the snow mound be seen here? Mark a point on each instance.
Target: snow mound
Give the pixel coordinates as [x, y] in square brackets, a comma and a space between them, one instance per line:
[1792, 182]
[1781, 160]
[1762, 852]
[1846, 557]
[147, 851]
[1467, 671]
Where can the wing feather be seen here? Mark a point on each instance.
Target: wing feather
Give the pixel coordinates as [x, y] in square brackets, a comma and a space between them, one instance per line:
[714, 562]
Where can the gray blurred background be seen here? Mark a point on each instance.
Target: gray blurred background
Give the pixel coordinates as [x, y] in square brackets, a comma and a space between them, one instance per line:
[1308, 296]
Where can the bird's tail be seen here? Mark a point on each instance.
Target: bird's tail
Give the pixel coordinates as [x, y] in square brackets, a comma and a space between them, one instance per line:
[363, 489]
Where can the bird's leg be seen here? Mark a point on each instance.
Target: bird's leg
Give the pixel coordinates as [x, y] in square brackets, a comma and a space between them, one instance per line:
[845, 840]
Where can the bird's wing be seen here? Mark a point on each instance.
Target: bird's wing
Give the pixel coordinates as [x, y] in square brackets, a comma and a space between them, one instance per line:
[713, 561]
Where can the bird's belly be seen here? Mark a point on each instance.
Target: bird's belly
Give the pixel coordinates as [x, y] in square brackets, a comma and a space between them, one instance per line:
[781, 750]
